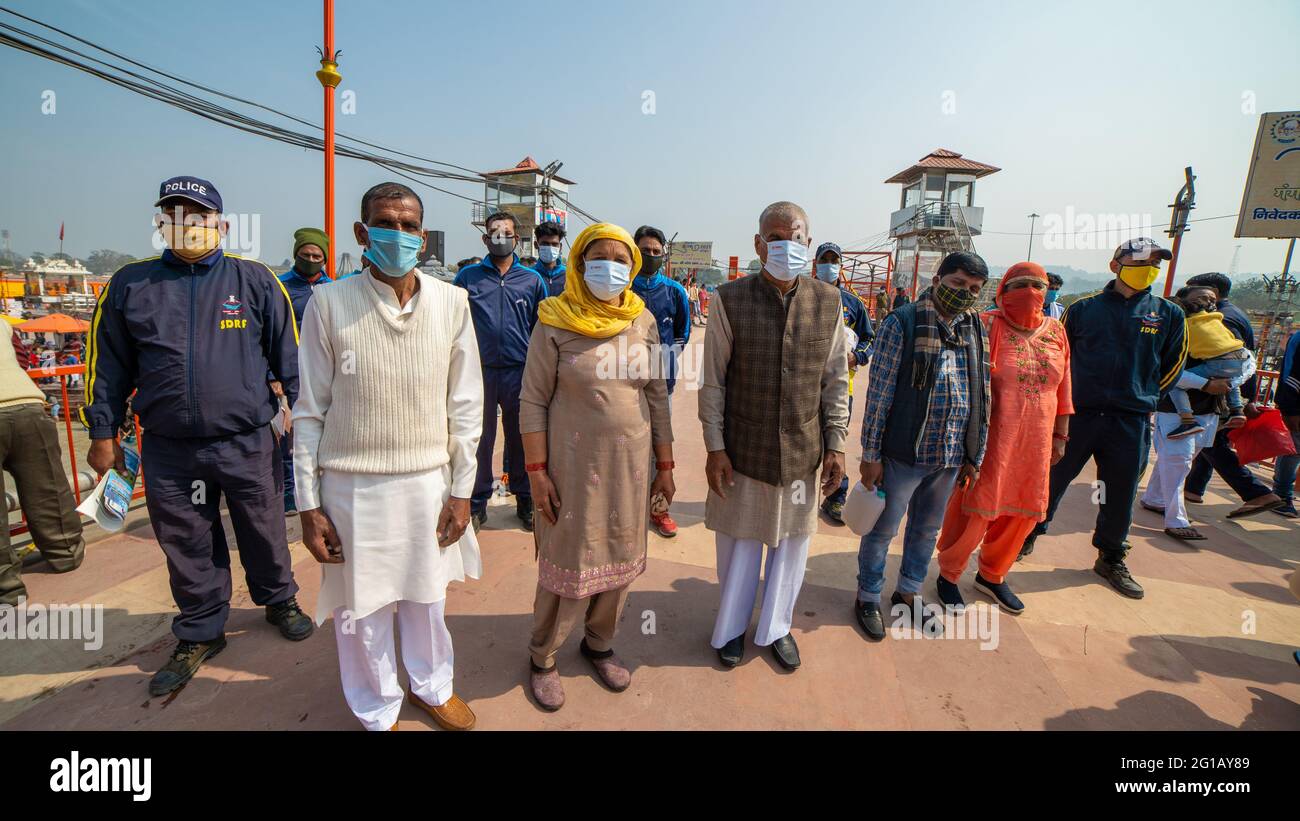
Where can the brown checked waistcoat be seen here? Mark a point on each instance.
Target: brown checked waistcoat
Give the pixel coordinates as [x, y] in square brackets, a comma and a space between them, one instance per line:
[772, 422]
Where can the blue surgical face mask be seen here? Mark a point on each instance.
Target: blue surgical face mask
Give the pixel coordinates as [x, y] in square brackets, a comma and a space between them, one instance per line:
[1051, 296]
[392, 252]
[786, 259]
[605, 278]
[828, 271]
[548, 253]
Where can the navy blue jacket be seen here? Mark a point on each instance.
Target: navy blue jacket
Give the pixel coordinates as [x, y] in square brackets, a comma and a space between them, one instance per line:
[1124, 353]
[1288, 388]
[553, 277]
[300, 288]
[195, 341]
[504, 309]
[857, 320]
[667, 300]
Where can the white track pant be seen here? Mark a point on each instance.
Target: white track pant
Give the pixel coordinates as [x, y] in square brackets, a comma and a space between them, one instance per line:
[739, 563]
[368, 659]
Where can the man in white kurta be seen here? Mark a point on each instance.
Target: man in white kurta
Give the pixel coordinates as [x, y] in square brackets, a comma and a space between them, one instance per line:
[386, 428]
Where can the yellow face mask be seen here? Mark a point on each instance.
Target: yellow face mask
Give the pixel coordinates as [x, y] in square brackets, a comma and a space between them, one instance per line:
[190, 242]
[1139, 277]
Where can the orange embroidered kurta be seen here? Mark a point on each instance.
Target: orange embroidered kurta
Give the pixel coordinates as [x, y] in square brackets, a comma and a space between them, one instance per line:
[1030, 388]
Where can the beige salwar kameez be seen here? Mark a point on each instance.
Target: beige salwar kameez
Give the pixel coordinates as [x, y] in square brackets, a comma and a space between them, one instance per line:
[602, 412]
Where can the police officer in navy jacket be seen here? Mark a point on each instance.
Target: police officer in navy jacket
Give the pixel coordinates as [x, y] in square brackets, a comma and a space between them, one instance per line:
[197, 334]
[503, 300]
[1127, 348]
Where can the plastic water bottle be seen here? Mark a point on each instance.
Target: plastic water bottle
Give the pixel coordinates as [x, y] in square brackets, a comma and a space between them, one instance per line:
[863, 507]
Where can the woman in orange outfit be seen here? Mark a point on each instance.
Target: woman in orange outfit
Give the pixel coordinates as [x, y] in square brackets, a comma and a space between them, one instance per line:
[1028, 429]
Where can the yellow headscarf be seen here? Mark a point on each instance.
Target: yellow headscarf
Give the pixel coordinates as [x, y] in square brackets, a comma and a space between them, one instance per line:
[576, 309]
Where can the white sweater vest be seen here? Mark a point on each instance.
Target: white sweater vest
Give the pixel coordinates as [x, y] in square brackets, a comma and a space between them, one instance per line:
[388, 404]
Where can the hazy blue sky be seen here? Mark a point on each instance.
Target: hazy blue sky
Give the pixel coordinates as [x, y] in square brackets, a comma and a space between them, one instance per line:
[1095, 107]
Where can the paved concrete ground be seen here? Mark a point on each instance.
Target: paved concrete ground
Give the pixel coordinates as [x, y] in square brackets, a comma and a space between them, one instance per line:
[1208, 648]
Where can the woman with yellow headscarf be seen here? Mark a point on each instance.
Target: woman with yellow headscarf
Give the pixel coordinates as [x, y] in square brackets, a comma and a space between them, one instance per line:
[593, 407]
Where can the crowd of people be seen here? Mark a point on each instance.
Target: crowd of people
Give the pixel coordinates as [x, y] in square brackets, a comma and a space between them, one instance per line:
[370, 405]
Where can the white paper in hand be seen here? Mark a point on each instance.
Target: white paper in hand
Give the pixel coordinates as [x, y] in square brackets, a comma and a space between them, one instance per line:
[94, 507]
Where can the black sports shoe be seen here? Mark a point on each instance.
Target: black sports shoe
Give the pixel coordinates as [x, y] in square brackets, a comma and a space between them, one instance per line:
[478, 519]
[185, 661]
[834, 510]
[1027, 547]
[288, 616]
[1184, 430]
[732, 652]
[916, 607]
[1000, 593]
[949, 594]
[786, 652]
[525, 514]
[1116, 572]
[869, 619]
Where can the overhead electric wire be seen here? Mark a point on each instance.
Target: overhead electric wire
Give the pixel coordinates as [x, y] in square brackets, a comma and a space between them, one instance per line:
[162, 92]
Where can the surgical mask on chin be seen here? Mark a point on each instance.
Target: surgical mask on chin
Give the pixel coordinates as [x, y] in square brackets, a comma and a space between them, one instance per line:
[605, 278]
[548, 253]
[501, 246]
[828, 272]
[786, 259]
[1139, 277]
[190, 242]
[393, 252]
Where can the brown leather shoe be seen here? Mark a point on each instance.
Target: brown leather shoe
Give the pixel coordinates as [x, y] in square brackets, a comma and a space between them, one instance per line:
[454, 715]
[545, 685]
[609, 668]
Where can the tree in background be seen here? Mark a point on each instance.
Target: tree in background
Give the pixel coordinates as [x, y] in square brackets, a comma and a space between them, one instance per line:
[106, 261]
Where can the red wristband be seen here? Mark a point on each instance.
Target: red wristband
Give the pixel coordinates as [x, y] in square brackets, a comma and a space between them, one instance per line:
[533, 468]
[664, 465]
[1060, 436]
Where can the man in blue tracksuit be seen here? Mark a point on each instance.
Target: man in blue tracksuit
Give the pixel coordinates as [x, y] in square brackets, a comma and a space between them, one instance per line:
[310, 250]
[503, 300]
[1220, 456]
[549, 239]
[667, 300]
[827, 263]
[1127, 348]
[195, 333]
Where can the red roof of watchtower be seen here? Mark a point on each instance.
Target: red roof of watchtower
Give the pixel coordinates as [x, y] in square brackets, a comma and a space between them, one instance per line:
[525, 165]
[942, 158]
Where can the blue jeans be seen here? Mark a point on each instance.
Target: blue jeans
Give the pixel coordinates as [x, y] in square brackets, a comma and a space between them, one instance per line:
[1284, 470]
[922, 493]
[1221, 367]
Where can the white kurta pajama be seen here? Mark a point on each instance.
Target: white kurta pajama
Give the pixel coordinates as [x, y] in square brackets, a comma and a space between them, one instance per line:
[386, 514]
[755, 514]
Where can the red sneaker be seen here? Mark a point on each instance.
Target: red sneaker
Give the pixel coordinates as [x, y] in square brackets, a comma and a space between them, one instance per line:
[664, 525]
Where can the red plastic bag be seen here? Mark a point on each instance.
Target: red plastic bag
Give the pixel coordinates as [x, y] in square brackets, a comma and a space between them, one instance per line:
[1263, 437]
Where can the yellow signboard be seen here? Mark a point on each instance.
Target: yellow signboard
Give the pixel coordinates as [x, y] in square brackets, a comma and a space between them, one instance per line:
[1270, 206]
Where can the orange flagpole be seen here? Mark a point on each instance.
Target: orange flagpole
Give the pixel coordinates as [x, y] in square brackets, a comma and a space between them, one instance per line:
[329, 79]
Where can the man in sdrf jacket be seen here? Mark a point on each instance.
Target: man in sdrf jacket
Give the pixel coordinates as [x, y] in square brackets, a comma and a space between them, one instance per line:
[1127, 348]
[503, 300]
[197, 333]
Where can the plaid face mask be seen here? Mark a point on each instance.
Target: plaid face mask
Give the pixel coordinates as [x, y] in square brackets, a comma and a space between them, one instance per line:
[953, 301]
